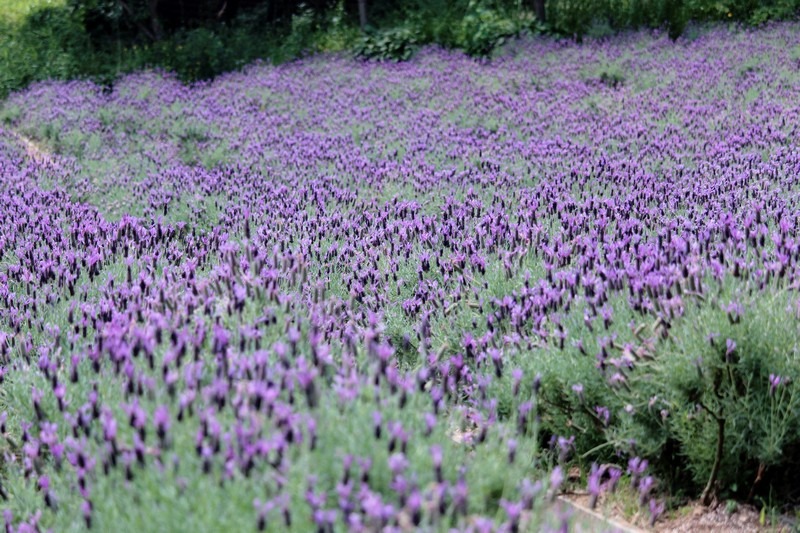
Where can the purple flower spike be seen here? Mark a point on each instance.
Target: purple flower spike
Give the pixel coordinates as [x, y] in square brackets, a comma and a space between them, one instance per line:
[161, 421]
[512, 450]
[656, 510]
[578, 390]
[594, 485]
[556, 480]
[730, 347]
[436, 456]
[775, 381]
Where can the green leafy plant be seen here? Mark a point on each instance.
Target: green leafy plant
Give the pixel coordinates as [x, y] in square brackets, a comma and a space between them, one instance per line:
[722, 394]
[611, 76]
[394, 44]
[485, 28]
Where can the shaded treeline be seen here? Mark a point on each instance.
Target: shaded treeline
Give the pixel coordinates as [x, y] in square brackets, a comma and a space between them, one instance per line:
[100, 39]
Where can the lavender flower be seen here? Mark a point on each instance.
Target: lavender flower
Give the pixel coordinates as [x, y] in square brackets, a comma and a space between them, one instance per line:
[775, 381]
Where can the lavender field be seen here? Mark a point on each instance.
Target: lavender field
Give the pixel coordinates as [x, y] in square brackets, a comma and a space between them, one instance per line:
[340, 295]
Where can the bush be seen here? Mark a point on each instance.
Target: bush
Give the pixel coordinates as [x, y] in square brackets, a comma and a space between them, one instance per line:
[710, 398]
[728, 381]
[485, 28]
[714, 403]
[50, 43]
[611, 75]
[195, 54]
[573, 17]
[781, 10]
[100, 40]
[393, 44]
[577, 19]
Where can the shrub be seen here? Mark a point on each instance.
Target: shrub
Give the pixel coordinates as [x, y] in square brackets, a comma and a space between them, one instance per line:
[571, 17]
[485, 28]
[781, 10]
[49, 43]
[392, 44]
[611, 76]
[720, 400]
[710, 398]
[299, 40]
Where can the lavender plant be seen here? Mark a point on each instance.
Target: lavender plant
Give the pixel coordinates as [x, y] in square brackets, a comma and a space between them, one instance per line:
[344, 295]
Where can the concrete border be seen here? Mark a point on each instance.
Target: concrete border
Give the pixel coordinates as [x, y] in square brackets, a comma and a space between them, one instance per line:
[593, 516]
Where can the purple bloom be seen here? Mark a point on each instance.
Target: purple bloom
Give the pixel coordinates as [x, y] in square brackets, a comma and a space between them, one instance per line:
[512, 450]
[556, 479]
[775, 381]
[603, 414]
[578, 390]
[161, 421]
[594, 485]
[730, 347]
[645, 486]
[397, 463]
[656, 510]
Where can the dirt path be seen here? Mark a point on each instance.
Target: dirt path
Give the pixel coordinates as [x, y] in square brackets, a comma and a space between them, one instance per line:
[33, 149]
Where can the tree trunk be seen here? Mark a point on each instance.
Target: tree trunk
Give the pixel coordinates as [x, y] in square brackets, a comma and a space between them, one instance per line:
[155, 23]
[538, 9]
[362, 14]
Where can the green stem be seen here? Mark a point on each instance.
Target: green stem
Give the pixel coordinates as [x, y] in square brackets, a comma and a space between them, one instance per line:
[596, 448]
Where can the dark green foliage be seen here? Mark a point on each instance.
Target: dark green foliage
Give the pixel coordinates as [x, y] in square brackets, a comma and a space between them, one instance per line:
[102, 38]
[612, 77]
[571, 17]
[478, 27]
[97, 40]
[675, 16]
[486, 27]
[575, 18]
[710, 388]
[47, 44]
[394, 44]
[738, 376]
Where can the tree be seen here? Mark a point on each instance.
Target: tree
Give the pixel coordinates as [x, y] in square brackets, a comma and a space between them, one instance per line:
[153, 29]
[538, 9]
[362, 14]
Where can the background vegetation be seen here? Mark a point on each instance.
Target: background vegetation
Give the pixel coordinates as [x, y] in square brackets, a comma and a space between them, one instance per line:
[99, 39]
